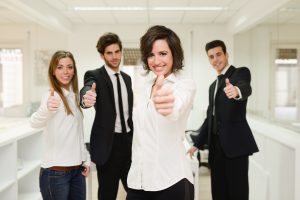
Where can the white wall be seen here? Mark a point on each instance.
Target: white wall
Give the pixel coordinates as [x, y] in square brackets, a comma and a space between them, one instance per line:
[253, 50]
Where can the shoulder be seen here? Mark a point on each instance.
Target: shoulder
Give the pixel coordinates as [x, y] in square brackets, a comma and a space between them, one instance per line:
[125, 75]
[186, 82]
[95, 71]
[242, 70]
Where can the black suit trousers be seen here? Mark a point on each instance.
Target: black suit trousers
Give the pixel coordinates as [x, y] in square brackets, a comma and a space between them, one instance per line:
[116, 168]
[229, 176]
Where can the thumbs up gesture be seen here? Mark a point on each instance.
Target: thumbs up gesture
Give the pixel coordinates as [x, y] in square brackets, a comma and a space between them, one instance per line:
[230, 90]
[53, 102]
[162, 97]
[89, 99]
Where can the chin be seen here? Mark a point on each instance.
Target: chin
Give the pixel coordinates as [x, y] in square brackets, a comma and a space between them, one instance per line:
[159, 73]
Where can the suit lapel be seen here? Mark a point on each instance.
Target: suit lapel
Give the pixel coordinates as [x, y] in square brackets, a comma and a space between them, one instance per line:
[211, 93]
[228, 73]
[108, 83]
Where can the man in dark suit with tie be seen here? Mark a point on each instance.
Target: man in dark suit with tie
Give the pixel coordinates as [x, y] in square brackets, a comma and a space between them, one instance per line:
[226, 129]
[109, 90]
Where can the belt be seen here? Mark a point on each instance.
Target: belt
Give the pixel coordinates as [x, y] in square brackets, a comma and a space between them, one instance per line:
[64, 168]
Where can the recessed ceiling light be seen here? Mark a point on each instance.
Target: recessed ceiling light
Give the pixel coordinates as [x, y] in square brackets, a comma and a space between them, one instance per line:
[96, 8]
[190, 8]
[135, 8]
[290, 9]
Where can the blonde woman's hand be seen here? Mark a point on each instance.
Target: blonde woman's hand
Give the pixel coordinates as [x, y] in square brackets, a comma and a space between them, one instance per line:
[53, 101]
[86, 170]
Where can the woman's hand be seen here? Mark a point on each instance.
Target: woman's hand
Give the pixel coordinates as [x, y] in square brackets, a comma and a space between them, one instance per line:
[162, 97]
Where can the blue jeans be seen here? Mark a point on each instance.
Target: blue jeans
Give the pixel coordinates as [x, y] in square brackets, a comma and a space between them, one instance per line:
[59, 185]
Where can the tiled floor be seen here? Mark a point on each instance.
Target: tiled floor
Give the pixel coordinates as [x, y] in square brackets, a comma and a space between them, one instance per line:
[204, 186]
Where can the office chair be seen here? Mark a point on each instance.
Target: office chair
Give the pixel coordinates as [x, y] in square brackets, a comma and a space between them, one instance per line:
[202, 153]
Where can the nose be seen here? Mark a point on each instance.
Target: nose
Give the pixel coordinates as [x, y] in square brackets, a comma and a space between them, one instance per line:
[65, 70]
[114, 55]
[156, 60]
[214, 60]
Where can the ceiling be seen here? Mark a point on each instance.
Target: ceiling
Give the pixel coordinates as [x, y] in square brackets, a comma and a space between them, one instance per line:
[238, 15]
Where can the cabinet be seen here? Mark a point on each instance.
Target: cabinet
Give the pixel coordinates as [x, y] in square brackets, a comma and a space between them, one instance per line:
[20, 155]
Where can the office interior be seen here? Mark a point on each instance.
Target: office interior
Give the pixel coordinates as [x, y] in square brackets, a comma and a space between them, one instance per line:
[262, 35]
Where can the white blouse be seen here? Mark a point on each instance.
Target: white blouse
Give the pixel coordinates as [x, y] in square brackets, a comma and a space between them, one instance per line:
[64, 140]
[159, 157]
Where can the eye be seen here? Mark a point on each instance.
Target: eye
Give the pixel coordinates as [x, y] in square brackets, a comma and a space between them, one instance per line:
[59, 67]
[150, 55]
[70, 67]
[163, 53]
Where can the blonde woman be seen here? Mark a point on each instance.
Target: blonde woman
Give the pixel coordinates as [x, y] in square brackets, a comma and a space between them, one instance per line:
[65, 162]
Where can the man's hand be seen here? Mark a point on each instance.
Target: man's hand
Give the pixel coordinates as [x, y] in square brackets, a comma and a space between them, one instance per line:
[191, 151]
[89, 99]
[163, 98]
[53, 102]
[230, 91]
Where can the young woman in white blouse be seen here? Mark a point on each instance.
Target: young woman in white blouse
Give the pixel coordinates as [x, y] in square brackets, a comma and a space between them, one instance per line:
[160, 168]
[65, 162]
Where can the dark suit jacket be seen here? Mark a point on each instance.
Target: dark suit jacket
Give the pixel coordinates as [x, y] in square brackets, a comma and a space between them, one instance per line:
[102, 134]
[234, 132]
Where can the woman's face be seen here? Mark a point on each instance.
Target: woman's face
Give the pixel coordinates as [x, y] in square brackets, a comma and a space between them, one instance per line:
[160, 60]
[64, 72]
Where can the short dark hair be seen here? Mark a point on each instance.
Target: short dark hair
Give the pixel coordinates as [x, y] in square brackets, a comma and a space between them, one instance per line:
[214, 44]
[106, 40]
[158, 32]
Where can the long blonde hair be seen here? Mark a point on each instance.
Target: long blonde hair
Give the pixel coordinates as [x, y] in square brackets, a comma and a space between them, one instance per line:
[56, 85]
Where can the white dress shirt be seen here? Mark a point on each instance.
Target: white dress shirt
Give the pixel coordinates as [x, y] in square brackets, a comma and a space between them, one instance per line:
[159, 157]
[113, 78]
[64, 143]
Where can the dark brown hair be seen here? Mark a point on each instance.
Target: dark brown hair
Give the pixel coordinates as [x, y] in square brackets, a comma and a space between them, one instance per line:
[214, 44]
[157, 33]
[106, 40]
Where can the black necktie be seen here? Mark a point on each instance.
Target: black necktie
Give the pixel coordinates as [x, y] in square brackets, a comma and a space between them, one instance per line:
[219, 79]
[121, 104]
[217, 85]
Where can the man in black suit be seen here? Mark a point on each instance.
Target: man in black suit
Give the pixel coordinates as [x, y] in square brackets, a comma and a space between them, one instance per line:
[109, 90]
[226, 129]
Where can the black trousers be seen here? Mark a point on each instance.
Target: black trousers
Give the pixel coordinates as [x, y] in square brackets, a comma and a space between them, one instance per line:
[116, 168]
[229, 176]
[182, 190]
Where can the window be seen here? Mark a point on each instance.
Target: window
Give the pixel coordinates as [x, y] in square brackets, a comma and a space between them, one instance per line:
[286, 84]
[11, 77]
[132, 65]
